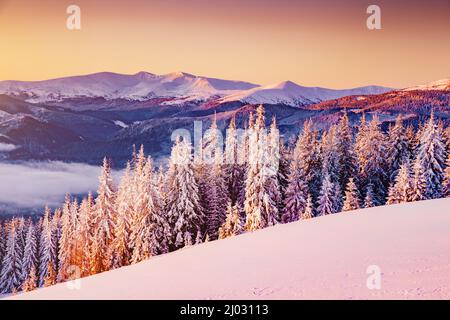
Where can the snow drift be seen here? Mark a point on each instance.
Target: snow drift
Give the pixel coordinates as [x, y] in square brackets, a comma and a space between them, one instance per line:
[322, 258]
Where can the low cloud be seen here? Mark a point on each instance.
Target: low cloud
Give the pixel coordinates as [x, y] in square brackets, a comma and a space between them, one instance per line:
[6, 147]
[33, 185]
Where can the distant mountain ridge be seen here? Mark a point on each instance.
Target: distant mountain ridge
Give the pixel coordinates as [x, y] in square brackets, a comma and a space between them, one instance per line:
[140, 86]
[292, 94]
[176, 88]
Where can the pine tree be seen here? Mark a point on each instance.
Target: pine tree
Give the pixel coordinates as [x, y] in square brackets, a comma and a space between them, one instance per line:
[330, 153]
[368, 199]
[82, 253]
[325, 203]
[105, 215]
[283, 174]
[120, 250]
[160, 231]
[260, 203]
[50, 278]
[296, 193]
[337, 198]
[216, 195]
[308, 213]
[307, 149]
[233, 223]
[351, 201]
[432, 156]
[371, 149]
[400, 191]
[47, 248]
[270, 170]
[446, 183]
[56, 229]
[398, 151]
[184, 212]
[30, 258]
[345, 151]
[419, 183]
[147, 211]
[11, 277]
[67, 240]
[30, 282]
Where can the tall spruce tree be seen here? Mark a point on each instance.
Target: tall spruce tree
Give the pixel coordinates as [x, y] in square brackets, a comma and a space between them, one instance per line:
[398, 148]
[183, 204]
[401, 190]
[325, 204]
[351, 201]
[432, 156]
[11, 276]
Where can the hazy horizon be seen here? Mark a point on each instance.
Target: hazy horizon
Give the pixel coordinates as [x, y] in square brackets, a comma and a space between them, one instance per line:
[313, 43]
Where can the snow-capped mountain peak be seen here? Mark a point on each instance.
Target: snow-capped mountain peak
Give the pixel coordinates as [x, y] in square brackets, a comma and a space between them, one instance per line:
[290, 93]
[140, 86]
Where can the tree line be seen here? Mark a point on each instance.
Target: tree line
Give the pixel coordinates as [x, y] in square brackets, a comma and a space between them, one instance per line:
[245, 186]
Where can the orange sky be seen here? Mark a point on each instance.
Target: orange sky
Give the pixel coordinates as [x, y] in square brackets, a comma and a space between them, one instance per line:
[322, 42]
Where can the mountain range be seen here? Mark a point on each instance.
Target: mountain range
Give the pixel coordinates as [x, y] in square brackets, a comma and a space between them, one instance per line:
[84, 118]
[176, 87]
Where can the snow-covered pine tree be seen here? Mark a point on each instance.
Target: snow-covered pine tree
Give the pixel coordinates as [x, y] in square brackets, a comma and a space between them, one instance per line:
[160, 233]
[233, 223]
[325, 203]
[308, 213]
[432, 156]
[338, 199]
[147, 214]
[400, 191]
[308, 150]
[184, 212]
[296, 192]
[216, 195]
[283, 173]
[30, 258]
[271, 168]
[446, 183]
[330, 153]
[120, 250]
[104, 215]
[67, 240]
[11, 276]
[398, 152]
[82, 246]
[411, 140]
[47, 248]
[56, 233]
[30, 282]
[21, 231]
[351, 201]
[345, 151]
[371, 153]
[260, 206]
[235, 160]
[419, 183]
[368, 199]
[51, 277]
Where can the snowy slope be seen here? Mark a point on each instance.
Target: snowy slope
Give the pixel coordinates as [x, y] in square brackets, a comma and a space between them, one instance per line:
[443, 84]
[292, 94]
[322, 258]
[140, 86]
